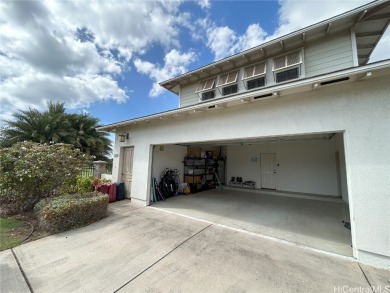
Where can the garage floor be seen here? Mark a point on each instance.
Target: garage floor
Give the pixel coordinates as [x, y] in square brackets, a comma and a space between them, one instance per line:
[313, 223]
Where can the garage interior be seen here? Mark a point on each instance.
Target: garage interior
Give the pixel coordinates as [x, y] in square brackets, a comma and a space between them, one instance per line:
[292, 188]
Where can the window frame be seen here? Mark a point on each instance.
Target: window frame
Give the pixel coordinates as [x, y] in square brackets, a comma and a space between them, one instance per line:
[204, 89]
[226, 83]
[287, 66]
[221, 85]
[263, 74]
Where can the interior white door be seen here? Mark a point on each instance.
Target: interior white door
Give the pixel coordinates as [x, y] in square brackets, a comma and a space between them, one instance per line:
[127, 169]
[268, 171]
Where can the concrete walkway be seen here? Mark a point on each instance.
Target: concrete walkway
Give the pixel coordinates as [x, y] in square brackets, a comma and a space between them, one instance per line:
[147, 250]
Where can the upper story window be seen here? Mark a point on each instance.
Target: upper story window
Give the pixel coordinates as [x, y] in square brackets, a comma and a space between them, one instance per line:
[254, 76]
[227, 83]
[206, 89]
[287, 67]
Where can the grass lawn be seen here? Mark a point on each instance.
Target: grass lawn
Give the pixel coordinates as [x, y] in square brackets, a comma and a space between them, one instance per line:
[12, 232]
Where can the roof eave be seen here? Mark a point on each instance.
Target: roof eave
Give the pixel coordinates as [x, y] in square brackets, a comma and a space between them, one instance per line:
[221, 103]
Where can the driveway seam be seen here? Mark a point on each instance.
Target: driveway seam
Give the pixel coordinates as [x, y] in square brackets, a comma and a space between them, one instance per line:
[364, 274]
[164, 256]
[22, 271]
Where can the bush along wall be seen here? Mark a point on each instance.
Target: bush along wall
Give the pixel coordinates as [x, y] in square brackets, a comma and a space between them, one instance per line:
[71, 211]
[32, 171]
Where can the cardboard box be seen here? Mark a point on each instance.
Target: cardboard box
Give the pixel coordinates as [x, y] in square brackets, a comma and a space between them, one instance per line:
[192, 179]
[193, 152]
[214, 154]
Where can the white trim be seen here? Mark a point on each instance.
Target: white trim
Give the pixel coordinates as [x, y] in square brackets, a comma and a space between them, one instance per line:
[355, 57]
[351, 198]
[179, 95]
[227, 77]
[253, 76]
[204, 84]
[303, 69]
[286, 61]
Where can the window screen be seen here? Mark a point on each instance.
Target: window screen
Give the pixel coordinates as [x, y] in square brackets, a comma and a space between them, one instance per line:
[228, 90]
[208, 95]
[255, 83]
[287, 74]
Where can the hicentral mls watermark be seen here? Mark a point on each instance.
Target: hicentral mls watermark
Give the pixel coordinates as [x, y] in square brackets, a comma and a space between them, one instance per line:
[360, 289]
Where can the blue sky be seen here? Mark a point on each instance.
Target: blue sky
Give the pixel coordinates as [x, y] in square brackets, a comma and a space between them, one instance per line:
[107, 57]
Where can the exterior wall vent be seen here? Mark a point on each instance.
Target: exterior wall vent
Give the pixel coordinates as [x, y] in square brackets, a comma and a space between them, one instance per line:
[334, 80]
[263, 96]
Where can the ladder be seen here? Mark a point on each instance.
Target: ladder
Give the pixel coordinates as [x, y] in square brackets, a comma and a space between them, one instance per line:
[219, 183]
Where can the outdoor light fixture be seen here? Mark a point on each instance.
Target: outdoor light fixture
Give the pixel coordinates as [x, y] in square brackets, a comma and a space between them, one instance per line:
[123, 137]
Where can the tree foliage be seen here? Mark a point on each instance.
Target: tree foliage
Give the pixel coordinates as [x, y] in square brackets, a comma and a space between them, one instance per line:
[55, 125]
[30, 171]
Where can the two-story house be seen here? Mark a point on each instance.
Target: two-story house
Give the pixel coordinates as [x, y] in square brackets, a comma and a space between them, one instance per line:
[305, 114]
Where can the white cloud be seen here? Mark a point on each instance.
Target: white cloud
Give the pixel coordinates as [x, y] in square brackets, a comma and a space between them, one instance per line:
[73, 51]
[253, 36]
[204, 4]
[220, 40]
[223, 41]
[175, 63]
[294, 15]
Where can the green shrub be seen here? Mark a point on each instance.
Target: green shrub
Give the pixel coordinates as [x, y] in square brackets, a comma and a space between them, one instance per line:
[84, 184]
[71, 211]
[31, 171]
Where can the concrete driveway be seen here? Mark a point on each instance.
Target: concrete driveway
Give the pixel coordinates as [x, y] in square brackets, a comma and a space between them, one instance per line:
[149, 250]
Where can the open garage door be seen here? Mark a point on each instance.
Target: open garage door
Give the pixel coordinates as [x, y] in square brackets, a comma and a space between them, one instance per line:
[291, 188]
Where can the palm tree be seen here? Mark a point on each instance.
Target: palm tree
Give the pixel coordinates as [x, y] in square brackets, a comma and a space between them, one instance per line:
[32, 125]
[86, 138]
[55, 125]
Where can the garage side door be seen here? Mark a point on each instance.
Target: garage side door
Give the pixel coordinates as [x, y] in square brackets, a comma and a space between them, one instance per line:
[268, 171]
[127, 169]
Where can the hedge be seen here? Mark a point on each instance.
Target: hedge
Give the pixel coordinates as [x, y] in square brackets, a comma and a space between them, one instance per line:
[71, 211]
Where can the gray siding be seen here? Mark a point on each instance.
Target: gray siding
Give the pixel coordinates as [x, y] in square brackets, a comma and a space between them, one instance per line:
[328, 55]
[320, 57]
[188, 96]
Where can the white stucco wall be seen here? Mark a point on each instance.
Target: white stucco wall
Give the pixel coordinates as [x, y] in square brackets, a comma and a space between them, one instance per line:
[307, 167]
[361, 109]
[170, 156]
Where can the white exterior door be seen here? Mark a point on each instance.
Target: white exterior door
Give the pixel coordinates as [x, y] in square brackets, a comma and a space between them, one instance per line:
[268, 171]
[127, 169]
